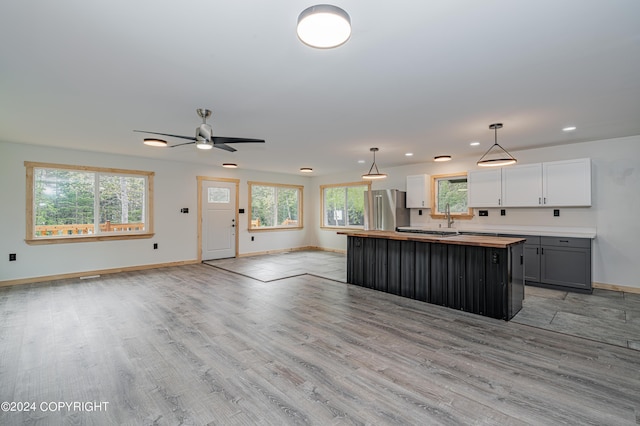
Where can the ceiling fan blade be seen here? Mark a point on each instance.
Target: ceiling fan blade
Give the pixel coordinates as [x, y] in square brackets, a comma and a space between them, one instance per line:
[180, 144]
[222, 139]
[191, 138]
[225, 147]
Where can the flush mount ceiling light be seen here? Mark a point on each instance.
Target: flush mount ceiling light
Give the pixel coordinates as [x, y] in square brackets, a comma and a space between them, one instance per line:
[569, 129]
[155, 142]
[324, 26]
[377, 174]
[229, 165]
[496, 156]
[441, 158]
[306, 169]
[474, 143]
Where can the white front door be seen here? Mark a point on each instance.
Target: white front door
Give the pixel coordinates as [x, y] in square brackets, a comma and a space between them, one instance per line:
[218, 220]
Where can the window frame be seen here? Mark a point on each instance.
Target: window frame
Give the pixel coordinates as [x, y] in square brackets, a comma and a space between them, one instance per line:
[299, 188]
[434, 197]
[339, 185]
[31, 238]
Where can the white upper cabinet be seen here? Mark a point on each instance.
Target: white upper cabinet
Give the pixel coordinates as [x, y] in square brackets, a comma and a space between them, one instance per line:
[554, 184]
[418, 191]
[484, 188]
[567, 183]
[522, 185]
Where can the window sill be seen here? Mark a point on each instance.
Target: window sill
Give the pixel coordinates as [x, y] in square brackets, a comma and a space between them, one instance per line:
[85, 239]
[343, 228]
[280, 228]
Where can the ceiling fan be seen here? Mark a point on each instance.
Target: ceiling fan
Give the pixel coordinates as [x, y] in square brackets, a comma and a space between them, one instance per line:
[203, 139]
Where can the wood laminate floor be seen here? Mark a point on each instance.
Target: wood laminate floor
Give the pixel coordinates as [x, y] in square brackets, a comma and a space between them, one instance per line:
[201, 345]
[605, 316]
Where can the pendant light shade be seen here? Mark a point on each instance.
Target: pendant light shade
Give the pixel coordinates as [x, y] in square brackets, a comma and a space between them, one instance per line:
[377, 175]
[324, 26]
[496, 156]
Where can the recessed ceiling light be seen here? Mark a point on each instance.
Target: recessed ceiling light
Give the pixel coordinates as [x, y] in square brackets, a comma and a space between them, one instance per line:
[569, 129]
[474, 143]
[306, 169]
[441, 158]
[409, 154]
[230, 165]
[361, 161]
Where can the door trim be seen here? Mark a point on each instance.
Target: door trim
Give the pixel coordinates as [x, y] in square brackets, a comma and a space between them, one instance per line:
[202, 179]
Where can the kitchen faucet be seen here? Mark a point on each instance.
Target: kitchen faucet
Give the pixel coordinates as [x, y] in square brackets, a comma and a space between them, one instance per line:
[447, 214]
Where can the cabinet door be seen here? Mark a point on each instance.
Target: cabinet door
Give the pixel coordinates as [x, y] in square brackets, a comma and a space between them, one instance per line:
[522, 185]
[497, 280]
[484, 188]
[532, 263]
[567, 183]
[418, 191]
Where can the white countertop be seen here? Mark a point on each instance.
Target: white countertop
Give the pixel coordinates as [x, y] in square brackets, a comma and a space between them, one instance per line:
[545, 231]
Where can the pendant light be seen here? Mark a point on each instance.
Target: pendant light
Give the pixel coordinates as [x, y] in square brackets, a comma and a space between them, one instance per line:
[377, 174]
[324, 26]
[499, 157]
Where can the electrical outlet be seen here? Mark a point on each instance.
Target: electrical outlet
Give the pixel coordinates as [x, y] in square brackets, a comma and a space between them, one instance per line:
[556, 212]
[483, 213]
[253, 238]
[420, 212]
[155, 246]
[12, 257]
[503, 212]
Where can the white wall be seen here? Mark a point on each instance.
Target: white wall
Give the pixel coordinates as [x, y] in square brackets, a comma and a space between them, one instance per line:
[614, 211]
[175, 232]
[616, 203]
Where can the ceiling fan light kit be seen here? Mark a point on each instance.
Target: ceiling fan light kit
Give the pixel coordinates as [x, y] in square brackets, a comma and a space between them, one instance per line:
[324, 26]
[377, 175]
[496, 156]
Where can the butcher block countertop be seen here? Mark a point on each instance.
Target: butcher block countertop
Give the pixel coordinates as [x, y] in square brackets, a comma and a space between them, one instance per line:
[463, 240]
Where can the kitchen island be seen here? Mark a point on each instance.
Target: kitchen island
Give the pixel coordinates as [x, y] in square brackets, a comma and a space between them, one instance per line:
[474, 273]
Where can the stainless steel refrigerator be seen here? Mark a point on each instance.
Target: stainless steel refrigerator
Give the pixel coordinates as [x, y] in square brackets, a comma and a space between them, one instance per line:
[384, 209]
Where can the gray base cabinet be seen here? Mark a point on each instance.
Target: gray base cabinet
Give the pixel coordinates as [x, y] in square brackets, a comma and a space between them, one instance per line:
[480, 280]
[558, 262]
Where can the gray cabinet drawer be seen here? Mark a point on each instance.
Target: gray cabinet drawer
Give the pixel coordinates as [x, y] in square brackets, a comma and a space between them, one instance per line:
[566, 242]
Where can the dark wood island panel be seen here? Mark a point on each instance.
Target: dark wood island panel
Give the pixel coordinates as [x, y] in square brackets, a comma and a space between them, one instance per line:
[478, 274]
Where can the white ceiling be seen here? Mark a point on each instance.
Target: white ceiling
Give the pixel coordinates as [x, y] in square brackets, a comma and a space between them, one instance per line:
[426, 77]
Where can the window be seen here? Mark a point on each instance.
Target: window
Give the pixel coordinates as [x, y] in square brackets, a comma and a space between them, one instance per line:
[76, 203]
[275, 206]
[450, 190]
[343, 204]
